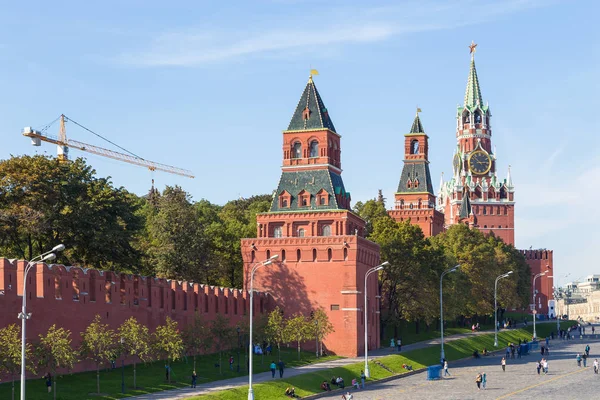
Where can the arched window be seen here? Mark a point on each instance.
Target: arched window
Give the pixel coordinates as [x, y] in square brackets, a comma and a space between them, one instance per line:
[301, 232]
[402, 204]
[277, 232]
[329, 254]
[297, 150]
[314, 258]
[345, 253]
[484, 211]
[314, 149]
[298, 255]
[485, 226]
[326, 230]
[253, 256]
[268, 253]
[282, 255]
[477, 117]
[466, 118]
[414, 147]
[322, 200]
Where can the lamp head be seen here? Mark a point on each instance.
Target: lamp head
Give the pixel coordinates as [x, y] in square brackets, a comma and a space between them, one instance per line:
[274, 257]
[385, 264]
[268, 262]
[59, 247]
[49, 257]
[379, 268]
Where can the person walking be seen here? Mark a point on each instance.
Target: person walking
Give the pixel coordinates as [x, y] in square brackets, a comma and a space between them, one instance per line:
[363, 377]
[446, 368]
[194, 378]
[507, 351]
[231, 362]
[503, 363]
[273, 367]
[587, 350]
[478, 379]
[48, 382]
[281, 368]
[483, 380]
[578, 358]
[593, 330]
[595, 364]
[584, 358]
[399, 343]
[538, 366]
[545, 366]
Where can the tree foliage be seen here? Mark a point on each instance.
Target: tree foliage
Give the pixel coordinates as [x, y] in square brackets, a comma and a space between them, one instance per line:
[10, 353]
[98, 344]
[298, 329]
[222, 333]
[43, 203]
[135, 342]
[275, 329]
[321, 327]
[197, 337]
[167, 341]
[54, 352]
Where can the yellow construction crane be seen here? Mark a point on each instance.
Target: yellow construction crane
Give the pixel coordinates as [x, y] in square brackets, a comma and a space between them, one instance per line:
[63, 144]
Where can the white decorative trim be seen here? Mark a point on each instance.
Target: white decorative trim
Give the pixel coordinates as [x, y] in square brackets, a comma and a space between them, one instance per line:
[351, 309]
[338, 170]
[350, 291]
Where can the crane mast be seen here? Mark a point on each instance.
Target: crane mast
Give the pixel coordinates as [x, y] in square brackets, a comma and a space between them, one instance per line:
[63, 144]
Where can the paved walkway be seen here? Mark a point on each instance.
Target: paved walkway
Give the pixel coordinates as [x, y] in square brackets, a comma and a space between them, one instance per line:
[225, 384]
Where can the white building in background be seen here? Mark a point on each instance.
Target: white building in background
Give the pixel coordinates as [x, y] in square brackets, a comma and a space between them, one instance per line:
[581, 299]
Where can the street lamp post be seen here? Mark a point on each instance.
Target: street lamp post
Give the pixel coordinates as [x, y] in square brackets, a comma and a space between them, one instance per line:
[317, 338]
[534, 310]
[453, 269]
[23, 315]
[370, 271]
[496, 306]
[254, 268]
[556, 296]
[122, 367]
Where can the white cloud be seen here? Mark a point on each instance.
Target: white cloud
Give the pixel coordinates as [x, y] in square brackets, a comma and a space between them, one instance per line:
[194, 47]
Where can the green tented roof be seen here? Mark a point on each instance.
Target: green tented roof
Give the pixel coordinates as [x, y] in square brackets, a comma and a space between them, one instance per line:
[318, 116]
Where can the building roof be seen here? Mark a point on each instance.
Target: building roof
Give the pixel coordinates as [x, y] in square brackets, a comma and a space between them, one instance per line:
[312, 182]
[465, 207]
[413, 171]
[473, 92]
[318, 115]
[417, 127]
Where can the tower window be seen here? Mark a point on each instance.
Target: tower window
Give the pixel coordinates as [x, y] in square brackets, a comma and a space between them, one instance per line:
[326, 231]
[484, 211]
[301, 232]
[477, 117]
[277, 232]
[414, 147]
[314, 258]
[298, 255]
[297, 150]
[314, 149]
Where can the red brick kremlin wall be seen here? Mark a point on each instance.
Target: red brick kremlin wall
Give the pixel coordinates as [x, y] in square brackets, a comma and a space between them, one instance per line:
[539, 261]
[70, 297]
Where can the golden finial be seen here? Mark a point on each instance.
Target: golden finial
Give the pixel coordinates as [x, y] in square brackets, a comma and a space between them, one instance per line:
[418, 111]
[312, 72]
[472, 47]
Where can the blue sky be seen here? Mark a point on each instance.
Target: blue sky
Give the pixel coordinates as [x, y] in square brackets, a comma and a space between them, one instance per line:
[209, 86]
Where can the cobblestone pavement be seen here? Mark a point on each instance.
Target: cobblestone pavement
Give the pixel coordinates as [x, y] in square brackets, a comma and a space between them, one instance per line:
[565, 380]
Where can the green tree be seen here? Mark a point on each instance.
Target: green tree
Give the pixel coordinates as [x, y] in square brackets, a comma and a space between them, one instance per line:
[321, 327]
[370, 211]
[176, 242]
[409, 283]
[98, 344]
[275, 330]
[298, 329]
[197, 337]
[43, 203]
[135, 342]
[222, 334]
[54, 352]
[168, 343]
[10, 353]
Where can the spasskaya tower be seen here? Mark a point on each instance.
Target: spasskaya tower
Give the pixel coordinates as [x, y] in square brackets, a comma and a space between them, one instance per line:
[475, 195]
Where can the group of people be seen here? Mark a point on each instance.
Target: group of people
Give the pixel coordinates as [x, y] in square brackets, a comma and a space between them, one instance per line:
[481, 380]
[339, 382]
[542, 365]
[274, 367]
[396, 343]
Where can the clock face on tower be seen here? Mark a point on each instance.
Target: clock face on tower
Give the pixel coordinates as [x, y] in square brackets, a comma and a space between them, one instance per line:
[456, 162]
[479, 162]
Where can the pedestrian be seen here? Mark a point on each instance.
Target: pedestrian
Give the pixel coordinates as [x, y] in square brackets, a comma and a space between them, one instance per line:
[542, 350]
[478, 379]
[167, 370]
[393, 343]
[593, 330]
[483, 380]
[587, 349]
[519, 352]
[399, 343]
[446, 368]
[503, 362]
[273, 367]
[547, 350]
[547, 340]
[194, 378]
[231, 362]
[538, 365]
[49, 381]
[281, 368]
[363, 377]
[584, 358]
[545, 366]
[595, 365]
[507, 351]
[578, 358]
[355, 383]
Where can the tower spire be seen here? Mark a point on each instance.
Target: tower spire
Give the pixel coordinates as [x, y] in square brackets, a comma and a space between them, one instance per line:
[509, 182]
[473, 92]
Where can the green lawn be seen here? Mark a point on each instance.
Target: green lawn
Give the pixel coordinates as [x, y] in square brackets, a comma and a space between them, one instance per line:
[151, 377]
[308, 384]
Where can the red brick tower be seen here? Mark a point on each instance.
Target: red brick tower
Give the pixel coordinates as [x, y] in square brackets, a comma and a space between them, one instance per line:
[475, 196]
[323, 256]
[414, 198]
